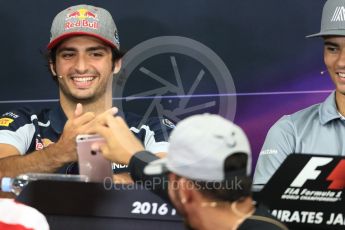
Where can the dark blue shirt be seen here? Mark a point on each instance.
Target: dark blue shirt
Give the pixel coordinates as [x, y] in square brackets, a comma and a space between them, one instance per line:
[29, 130]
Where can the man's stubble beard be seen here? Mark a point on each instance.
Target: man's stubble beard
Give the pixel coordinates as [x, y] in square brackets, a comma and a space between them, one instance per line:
[84, 100]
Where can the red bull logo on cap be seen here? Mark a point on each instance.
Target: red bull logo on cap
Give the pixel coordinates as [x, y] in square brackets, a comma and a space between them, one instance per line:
[81, 18]
[82, 14]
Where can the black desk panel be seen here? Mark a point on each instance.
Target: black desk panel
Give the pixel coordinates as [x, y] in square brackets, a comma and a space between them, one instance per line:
[76, 205]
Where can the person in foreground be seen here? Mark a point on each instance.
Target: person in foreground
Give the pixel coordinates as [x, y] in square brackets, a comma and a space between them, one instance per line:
[319, 129]
[205, 174]
[17, 216]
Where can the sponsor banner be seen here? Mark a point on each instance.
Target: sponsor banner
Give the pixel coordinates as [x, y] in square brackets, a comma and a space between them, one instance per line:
[307, 191]
[333, 220]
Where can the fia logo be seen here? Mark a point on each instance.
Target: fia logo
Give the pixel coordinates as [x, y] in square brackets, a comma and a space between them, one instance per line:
[310, 172]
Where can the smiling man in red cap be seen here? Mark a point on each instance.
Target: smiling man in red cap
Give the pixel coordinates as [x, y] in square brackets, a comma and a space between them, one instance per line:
[84, 55]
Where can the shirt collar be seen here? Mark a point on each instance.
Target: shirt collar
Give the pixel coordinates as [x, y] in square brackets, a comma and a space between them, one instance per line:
[57, 119]
[341, 116]
[328, 109]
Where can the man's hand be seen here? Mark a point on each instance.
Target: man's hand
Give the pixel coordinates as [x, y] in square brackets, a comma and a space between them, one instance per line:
[52, 157]
[121, 144]
[73, 127]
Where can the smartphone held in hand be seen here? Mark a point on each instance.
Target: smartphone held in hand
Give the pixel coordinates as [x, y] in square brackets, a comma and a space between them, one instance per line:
[92, 163]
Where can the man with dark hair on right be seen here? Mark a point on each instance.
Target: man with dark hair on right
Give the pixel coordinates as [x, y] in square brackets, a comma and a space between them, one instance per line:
[318, 129]
[205, 174]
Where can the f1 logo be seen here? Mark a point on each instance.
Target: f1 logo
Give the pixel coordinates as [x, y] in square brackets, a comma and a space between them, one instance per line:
[337, 176]
[310, 172]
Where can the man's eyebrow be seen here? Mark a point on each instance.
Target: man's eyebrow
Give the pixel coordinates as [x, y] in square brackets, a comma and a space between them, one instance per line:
[328, 43]
[66, 49]
[97, 48]
[93, 48]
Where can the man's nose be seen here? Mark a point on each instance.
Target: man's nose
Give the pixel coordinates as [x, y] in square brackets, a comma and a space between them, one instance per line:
[81, 64]
[341, 59]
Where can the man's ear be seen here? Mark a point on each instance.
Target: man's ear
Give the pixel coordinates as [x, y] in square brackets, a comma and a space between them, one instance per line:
[52, 68]
[117, 66]
[185, 192]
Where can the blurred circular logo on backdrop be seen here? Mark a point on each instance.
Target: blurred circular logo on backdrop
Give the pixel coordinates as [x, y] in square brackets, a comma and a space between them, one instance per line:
[173, 77]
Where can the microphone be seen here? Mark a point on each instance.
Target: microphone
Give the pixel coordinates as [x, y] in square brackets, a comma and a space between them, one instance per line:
[59, 76]
[323, 72]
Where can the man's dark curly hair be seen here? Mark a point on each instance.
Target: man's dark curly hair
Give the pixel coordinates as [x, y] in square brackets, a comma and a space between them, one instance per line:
[233, 188]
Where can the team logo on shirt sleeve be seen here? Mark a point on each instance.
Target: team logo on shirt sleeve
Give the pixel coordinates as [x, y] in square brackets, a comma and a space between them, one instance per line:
[5, 121]
[46, 142]
[168, 123]
[10, 114]
[43, 143]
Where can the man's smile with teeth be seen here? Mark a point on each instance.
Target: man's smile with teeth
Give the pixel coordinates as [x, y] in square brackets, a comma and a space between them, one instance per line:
[341, 74]
[82, 79]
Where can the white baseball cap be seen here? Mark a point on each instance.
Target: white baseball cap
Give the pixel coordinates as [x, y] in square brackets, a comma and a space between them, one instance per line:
[199, 146]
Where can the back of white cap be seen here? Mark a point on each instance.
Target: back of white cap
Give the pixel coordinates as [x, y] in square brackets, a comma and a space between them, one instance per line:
[199, 146]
